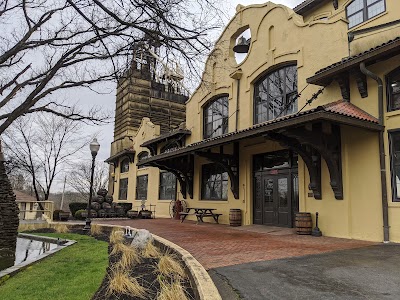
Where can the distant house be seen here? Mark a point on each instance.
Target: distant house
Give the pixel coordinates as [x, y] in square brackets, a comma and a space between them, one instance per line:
[26, 205]
[29, 207]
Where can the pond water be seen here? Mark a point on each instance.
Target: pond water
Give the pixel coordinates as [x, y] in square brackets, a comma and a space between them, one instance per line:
[26, 250]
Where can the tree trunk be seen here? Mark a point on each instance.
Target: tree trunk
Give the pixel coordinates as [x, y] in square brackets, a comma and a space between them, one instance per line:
[9, 220]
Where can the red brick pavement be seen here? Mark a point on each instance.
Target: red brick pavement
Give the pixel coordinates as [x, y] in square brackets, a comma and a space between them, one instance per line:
[216, 245]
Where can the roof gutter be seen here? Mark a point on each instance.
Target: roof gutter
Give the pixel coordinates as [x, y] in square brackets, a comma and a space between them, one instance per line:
[382, 162]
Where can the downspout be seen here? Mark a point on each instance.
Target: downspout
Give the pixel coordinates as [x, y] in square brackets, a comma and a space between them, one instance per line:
[237, 103]
[382, 162]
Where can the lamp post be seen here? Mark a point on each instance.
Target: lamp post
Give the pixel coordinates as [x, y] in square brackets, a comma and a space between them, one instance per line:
[94, 148]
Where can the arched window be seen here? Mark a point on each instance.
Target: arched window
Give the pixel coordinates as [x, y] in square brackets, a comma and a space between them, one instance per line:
[141, 156]
[215, 115]
[125, 165]
[393, 88]
[276, 95]
[360, 11]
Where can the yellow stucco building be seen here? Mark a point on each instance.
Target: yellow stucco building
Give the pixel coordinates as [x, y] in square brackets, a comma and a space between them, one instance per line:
[298, 110]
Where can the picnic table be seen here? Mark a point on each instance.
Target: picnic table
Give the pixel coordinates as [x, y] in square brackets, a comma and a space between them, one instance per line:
[200, 213]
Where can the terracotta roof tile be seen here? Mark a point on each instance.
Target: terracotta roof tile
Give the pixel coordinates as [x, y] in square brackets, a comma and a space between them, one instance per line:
[345, 108]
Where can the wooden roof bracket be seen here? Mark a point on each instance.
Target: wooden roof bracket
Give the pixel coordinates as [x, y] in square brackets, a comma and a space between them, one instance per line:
[325, 138]
[310, 156]
[183, 169]
[344, 84]
[361, 81]
[230, 164]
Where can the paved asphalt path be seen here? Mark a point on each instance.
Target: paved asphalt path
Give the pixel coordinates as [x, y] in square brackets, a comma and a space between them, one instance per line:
[366, 273]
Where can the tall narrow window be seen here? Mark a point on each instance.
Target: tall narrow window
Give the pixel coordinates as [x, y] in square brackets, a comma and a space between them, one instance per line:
[125, 165]
[123, 189]
[141, 187]
[360, 11]
[214, 183]
[216, 117]
[141, 156]
[393, 88]
[167, 186]
[395, 160]
[276, 95]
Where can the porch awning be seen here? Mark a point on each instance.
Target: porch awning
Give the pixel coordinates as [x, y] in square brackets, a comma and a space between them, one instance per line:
[325, 76]
[313, 134]
[176, 137]
[114, 159]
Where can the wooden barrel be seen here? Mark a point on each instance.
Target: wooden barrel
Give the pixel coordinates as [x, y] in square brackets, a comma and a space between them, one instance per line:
[96, 205]
[235, 217]
[303, 223]
[106, 205]
[101, 213]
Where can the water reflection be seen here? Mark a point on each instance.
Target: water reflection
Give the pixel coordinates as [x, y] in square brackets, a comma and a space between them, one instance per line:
[26, 250]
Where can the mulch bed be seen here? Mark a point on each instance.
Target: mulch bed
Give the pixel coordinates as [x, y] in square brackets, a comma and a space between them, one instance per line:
[145, 272]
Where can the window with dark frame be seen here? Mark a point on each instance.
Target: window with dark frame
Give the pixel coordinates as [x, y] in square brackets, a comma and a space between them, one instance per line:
[141, 187]
[167, 189]
[360, 11]
[393, 88]
[214, 183]
[125, 165]
[395, 164]
[276, 95]
[141, 156]
[215, 116]
[123, 189]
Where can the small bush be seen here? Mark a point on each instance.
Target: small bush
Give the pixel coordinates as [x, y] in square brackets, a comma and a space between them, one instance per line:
[75, 206]
[78, 214]
[56, 214]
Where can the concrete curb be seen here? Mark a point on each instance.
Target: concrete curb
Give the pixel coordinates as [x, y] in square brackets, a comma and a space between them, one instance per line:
[205, 287]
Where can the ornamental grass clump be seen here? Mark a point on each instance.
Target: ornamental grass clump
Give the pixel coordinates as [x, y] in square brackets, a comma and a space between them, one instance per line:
[122, 283]
[150, 251]
[116, 236]
[172, 291]
[129, 256]
[96, 229]
[61, 228]
[34, 226]
[168, 265]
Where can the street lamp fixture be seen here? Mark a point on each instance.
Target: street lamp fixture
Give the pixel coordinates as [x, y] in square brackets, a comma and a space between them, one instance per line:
[94, 148]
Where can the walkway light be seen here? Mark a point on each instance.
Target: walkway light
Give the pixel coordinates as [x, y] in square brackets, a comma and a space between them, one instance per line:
[94, 149]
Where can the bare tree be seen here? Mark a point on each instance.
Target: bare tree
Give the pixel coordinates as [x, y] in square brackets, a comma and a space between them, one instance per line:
[41, 145]
[79, 178]
[54, 45]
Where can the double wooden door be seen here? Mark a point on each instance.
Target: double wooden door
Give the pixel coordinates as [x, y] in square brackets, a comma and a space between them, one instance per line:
[274, 198]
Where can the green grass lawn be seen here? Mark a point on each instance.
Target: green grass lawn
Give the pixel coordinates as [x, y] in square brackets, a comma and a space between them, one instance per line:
[75, 272]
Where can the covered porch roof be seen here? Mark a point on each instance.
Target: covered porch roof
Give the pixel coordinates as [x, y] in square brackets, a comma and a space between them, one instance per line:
[115, 158]
[342, 68]
[313, 134]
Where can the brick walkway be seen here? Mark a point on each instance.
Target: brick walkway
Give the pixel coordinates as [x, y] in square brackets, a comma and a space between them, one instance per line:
[216, 245]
